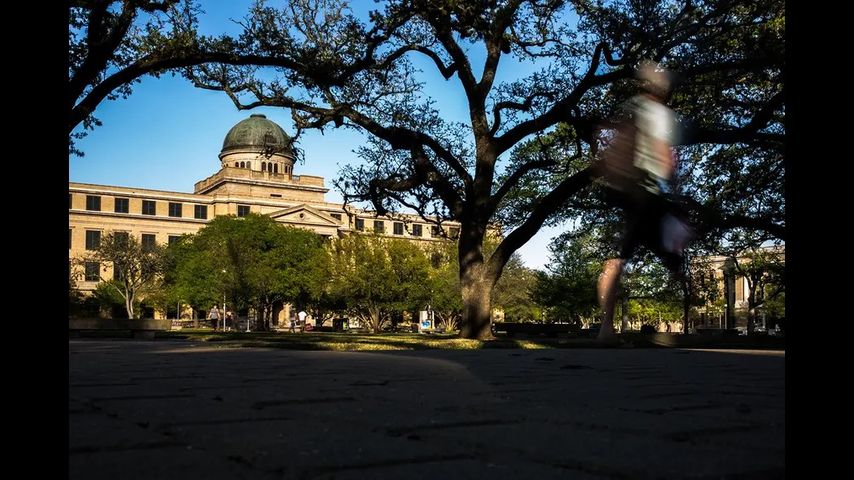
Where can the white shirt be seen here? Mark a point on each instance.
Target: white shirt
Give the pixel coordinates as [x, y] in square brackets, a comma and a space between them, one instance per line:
[653, 120]
[301, 316]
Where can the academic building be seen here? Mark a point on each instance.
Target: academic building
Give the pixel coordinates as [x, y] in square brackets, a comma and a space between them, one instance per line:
[731, 311]
[256, 174]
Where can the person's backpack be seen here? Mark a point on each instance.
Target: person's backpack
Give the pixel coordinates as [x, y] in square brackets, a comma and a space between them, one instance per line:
[616, 164]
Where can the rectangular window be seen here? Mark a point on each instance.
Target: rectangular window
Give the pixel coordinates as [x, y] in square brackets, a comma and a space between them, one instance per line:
[336, 216]
[93, 239]
[117, 272]
[416, 230]
[454, 232]
[174, 239]
[93, 202]
[70, 201]
[69, 239]
[149, 207]
[398, 228]
[276, 195]
[201, 211]
[175, 209]
[149, 241]
[121, 205]
[434, 231]
[242, 210]
[360, 224]
[92, 271]
[379, 226]
[121, 238]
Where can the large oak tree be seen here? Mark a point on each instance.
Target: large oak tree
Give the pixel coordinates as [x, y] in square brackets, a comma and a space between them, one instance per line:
[362, 75]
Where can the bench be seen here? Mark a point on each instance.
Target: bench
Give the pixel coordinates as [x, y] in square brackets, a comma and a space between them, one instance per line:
[138, 328]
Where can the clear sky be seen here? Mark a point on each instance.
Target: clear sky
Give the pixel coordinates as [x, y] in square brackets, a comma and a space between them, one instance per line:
[167, 134]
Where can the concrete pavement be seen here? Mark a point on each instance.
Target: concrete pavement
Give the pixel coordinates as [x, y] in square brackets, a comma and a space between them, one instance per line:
[175, 409]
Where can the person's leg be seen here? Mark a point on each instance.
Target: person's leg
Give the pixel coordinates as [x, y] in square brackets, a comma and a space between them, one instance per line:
[607, 294]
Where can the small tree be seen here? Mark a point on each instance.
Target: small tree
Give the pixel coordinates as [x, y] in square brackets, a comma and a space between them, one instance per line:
[378, 276]
[512, 293]
[136, 267]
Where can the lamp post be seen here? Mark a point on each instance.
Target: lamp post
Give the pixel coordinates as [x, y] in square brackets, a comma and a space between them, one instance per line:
[222, 315]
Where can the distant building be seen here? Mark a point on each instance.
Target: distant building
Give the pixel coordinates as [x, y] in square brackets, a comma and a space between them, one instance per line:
[733, 296]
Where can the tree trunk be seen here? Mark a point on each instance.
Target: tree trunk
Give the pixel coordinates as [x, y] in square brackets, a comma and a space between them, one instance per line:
[129, 305]
[476, 282]
[477, 320]
[375, 318]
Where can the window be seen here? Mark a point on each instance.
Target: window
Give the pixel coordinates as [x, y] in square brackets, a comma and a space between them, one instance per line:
[121, 238]
[70, 197]
[336, 216]
[93, 202]
[242, 210]
[275, 168]
[149, 241]
[117, 272]
[379, 226]
[201, 211]
[149, 207]
[69, 239]
[416, 230]
[175, 209]
[174, 239]
[360, 224]
[92, 271]
[276, 195]
[121, 205]
[263, 166]
[93, 239]
[434, 231]
[398, 228]
[454, 232]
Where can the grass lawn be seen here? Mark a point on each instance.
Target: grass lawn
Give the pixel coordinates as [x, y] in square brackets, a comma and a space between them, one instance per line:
[347, 341]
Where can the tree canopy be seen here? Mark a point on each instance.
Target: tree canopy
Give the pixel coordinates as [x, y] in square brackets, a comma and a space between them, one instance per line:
[335, 70]
[252, 260]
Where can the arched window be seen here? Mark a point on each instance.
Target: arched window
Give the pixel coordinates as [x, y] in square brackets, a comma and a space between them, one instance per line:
[275, 168]
[263, 166]
[236, 164]
[242, 164]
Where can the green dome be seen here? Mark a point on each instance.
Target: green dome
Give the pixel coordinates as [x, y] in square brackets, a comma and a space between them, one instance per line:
[256, 134]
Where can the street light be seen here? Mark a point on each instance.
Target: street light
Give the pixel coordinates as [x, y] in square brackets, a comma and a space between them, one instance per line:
[222, 315]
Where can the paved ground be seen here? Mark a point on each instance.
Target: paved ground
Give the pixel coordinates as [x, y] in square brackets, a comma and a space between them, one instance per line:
[174, 409]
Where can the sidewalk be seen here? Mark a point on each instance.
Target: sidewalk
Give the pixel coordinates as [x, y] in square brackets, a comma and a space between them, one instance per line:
[182, 410]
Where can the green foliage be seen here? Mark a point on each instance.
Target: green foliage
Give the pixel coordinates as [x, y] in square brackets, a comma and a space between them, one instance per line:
[568, 288]
[513, 291]
[378, 277]
[445, 297]
[253, 260]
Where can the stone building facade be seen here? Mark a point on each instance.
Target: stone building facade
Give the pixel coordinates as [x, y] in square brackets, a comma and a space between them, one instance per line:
[256, 174]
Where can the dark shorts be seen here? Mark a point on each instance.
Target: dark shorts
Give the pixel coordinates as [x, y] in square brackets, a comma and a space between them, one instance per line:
[644, 213]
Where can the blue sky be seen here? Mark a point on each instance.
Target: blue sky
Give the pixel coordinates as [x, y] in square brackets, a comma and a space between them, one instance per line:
[167, 134]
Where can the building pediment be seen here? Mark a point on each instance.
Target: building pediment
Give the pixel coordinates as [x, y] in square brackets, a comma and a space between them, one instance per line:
[304, 215]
